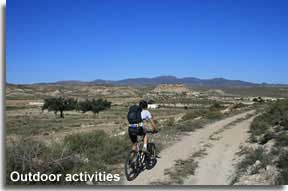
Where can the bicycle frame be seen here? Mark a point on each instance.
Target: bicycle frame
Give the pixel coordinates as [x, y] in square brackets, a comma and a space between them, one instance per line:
[142, 140]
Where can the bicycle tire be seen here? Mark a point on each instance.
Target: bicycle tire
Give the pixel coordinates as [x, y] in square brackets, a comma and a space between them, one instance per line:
[135, 171]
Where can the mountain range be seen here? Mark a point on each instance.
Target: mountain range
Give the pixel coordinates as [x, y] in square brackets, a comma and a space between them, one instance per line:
[189, 81]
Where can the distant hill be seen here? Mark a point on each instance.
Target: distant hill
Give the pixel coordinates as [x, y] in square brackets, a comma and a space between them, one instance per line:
[189, 81]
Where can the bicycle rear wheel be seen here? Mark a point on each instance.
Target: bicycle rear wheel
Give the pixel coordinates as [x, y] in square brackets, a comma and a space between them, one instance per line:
[131, 166]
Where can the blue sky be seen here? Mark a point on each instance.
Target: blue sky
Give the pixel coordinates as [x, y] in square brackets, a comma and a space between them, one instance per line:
[51, 40]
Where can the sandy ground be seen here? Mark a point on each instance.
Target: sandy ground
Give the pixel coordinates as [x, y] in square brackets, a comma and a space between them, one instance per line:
[216, 167]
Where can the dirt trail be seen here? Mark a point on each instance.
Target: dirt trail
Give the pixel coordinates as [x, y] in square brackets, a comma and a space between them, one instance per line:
[216, 167]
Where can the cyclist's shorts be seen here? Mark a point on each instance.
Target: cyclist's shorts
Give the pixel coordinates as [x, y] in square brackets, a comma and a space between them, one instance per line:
[136, 131]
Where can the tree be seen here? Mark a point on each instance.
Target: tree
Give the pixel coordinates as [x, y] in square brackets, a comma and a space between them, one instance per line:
[84, 106]
[59, 104]
[50, 104]
[215, 106]
[93, 105]
[99, 105]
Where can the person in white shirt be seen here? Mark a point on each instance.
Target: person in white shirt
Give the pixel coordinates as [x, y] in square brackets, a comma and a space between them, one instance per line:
[141, 129]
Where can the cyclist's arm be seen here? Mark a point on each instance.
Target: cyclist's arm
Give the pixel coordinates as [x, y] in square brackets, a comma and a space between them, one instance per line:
[148, 117]
[153, 124]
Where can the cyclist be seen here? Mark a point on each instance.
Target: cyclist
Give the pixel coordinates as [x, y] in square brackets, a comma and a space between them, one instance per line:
[137, 115]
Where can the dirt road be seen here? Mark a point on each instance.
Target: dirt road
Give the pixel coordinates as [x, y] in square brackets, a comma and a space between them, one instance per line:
[221, 140]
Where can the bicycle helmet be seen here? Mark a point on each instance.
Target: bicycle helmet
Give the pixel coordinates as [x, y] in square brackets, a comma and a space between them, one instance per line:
[143, 104]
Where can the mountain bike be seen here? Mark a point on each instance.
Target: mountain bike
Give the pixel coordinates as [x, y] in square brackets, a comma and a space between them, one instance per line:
[137, 161]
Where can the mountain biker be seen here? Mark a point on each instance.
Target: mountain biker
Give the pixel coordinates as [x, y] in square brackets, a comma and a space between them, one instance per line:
[136, 127]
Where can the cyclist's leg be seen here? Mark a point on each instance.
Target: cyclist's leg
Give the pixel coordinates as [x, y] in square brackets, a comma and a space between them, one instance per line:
[134, 147]
[133, 138]
[145, 138]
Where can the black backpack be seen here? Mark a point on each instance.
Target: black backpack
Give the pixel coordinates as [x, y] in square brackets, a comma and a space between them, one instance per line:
[134, 114]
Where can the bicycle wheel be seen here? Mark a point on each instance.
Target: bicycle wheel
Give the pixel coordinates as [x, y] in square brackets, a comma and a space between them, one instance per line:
[131, 166]
[151, 159]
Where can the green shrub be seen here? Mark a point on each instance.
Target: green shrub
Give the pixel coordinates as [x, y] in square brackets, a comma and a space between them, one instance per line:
[258, 126]
[214, 115]
[277, 113]
[216, 106]
[192, 115]
[168, 126]
[251, 156]
[170, 122]
[98, 146]
[85, 142]
[188, 126]
[282, 140]
[282, 164]
[238, 105]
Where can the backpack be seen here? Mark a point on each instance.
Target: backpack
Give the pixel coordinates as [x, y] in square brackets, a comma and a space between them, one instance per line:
[134, 114]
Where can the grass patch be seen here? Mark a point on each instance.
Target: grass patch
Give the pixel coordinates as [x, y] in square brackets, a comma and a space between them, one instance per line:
[191, 125]
[213, 115]
[192, 115]
[90, 152]
[181, 169]
[184, 168]
[98, 146]
[10, 107]
[33, 156]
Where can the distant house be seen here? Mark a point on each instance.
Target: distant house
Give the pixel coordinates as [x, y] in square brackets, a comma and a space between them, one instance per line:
[153, 106]
[194, 93]
[36, 103]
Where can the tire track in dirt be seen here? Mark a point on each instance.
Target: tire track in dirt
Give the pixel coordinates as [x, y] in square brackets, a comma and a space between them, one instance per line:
[218, 166]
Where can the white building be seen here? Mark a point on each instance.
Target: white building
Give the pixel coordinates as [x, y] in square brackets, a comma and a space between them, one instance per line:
[153, 106]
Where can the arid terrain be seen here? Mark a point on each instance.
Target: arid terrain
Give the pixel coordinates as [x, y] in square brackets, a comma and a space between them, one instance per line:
[202, 131]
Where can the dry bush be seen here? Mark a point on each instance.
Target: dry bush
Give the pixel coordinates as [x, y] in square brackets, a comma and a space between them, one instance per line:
[33, 156]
